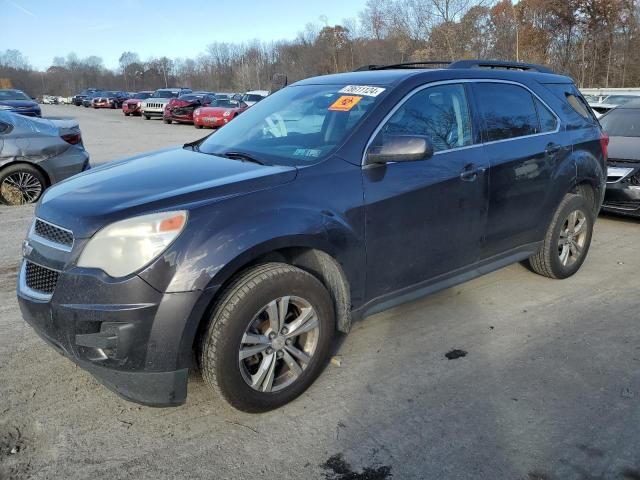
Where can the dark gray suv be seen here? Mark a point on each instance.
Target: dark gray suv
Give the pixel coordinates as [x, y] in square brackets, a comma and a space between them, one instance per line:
[332, 199]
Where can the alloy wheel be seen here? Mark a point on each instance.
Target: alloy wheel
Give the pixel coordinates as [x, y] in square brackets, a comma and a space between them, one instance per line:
[19, 188]
[573, 236]
[278, 344]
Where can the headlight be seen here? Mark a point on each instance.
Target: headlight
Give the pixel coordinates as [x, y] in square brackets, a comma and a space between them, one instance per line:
[5, 107]
[226, 114]
[139, 104]
[196, 112]
[123, 247]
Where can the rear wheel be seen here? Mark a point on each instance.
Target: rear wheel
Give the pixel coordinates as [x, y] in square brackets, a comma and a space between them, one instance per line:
[268, 338]
[21, 184]
[568, 238]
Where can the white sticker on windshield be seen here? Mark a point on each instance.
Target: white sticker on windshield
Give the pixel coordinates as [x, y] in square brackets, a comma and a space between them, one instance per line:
[362, 90]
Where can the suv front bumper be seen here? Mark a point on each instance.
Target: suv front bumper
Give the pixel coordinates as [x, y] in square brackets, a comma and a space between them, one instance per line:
[131, 337]
[623, 189]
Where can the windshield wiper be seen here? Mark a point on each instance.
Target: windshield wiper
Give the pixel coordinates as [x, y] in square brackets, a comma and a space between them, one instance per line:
[245, 157]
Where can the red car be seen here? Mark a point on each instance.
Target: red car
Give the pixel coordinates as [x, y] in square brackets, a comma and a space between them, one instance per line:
[180, 110]
[218, 114]
[132, 106]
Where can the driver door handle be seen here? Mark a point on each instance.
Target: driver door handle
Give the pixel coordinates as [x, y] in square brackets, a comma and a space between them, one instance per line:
[470, 172]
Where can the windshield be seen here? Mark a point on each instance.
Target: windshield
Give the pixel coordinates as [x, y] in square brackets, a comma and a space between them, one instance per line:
[12, 95]
[295, 126]
[224, 102]
[251, 97]
[165, 94]
[190, 97]
[619, 99]
[622, 122]
[141, 95]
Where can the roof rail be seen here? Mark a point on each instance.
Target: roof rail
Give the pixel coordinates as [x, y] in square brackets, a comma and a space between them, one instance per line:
[499, 64]
[408, 65]
[491, 64]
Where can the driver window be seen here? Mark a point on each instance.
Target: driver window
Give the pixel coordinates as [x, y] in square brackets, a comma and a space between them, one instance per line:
[440, 113]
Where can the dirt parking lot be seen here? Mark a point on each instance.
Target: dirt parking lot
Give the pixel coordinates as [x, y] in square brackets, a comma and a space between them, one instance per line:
[549, 389]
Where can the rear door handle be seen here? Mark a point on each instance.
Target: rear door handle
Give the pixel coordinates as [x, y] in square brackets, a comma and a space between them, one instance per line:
[470, 172]
[552, 149]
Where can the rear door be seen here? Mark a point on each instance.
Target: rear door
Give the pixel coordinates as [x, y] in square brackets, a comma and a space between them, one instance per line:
[524, 147]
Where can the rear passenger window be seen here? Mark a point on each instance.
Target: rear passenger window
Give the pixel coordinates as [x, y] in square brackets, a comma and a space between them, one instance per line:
[440, 113]
[578, 106]
[508, 111]
[548, 121]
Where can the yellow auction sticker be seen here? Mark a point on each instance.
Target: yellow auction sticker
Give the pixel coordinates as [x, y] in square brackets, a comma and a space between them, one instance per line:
[344, 103]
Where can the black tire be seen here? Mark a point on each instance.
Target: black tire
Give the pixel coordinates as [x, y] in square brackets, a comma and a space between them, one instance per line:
[547, 261]
[9, 195]
[165, 120]
[197, 126]
[126, 114]
[147, 117]
[238, 305]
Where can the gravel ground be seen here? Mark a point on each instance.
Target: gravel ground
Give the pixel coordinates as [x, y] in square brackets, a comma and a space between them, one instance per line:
[549, 388]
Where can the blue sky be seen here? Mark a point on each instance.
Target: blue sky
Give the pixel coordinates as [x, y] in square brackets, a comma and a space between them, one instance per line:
[43, 29]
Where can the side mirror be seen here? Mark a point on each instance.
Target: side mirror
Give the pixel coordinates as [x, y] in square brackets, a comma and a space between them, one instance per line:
[399, 148]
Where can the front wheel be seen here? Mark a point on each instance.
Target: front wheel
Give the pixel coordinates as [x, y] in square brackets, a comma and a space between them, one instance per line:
[197, 126]
[268, 338]
[147, 117]
[567, 241]
[166, 120]
[126, 114]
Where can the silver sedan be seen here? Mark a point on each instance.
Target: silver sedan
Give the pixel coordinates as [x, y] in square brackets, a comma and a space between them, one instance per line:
[36, 153]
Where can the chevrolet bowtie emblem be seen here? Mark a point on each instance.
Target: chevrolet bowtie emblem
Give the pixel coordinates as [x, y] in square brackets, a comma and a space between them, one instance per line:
[26, 248]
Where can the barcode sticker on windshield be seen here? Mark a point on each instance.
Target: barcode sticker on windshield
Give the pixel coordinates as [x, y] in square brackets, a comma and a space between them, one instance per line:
[362, 90]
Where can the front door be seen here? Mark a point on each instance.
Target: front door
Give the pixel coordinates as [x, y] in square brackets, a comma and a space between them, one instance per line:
[426, 218]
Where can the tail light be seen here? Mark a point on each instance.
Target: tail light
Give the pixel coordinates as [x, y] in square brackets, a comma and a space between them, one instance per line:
[604, 143]
[72, 138]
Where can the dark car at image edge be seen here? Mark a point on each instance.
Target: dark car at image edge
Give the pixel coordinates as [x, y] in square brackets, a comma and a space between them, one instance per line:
[16, 101]
[332, 199]
[623, 174]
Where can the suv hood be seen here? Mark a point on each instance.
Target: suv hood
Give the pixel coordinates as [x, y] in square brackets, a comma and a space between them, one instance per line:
[175, 178]
[624, 148]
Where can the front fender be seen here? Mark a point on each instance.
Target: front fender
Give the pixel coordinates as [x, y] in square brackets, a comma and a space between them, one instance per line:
[211, 254]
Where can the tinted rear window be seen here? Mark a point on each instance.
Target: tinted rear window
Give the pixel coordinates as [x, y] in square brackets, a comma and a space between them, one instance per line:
[577, 112]
[508, 111]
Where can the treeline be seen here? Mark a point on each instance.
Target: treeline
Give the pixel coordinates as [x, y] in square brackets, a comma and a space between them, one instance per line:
[597, 42]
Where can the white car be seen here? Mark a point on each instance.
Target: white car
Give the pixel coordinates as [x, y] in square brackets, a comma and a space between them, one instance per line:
[254, 96]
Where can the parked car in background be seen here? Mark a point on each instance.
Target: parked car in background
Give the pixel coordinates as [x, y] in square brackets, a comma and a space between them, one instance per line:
[180, 110]
[623, 172]
[218, 113]
[88, 100]
[254, 96]
[49, 100]
[133, 105]
[609, 102]
[17, 101]
[251, 247]
[154, 105]
[36, 153]
[78, 99]
[109, 100]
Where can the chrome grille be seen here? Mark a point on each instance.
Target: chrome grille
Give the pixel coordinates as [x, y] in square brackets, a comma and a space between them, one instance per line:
[53, 234]
[40, 279]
